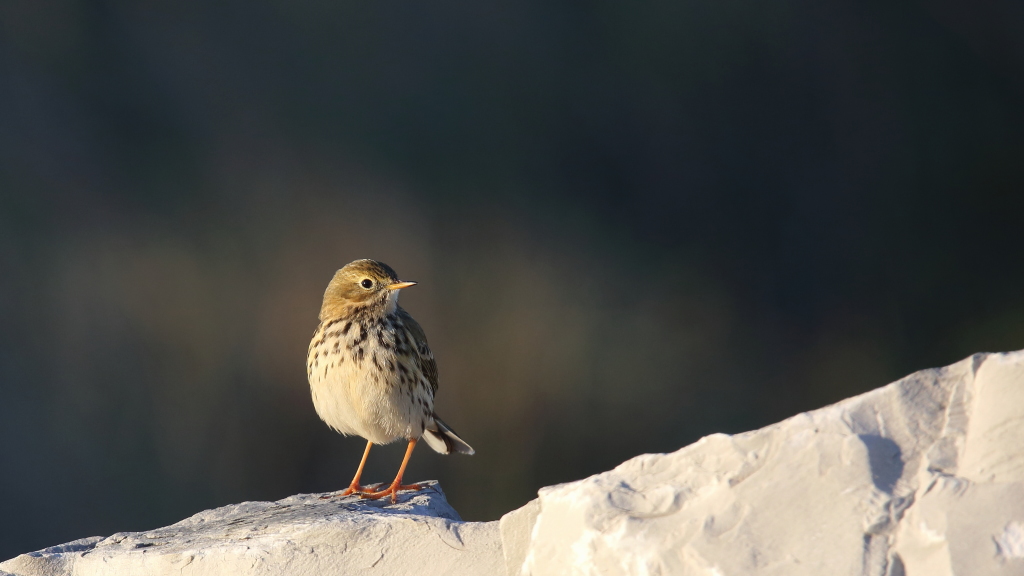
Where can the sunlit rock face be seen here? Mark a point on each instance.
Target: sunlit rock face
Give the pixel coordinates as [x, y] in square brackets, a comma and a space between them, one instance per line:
[302, 534]
[922, 477]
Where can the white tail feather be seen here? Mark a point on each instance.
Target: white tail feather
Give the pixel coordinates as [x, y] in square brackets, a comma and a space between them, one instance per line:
[444, 440]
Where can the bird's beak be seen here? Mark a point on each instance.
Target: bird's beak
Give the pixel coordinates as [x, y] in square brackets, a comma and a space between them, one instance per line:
[400, 285]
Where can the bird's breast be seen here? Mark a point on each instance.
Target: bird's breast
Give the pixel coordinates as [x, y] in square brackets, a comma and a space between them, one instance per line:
[362, 375]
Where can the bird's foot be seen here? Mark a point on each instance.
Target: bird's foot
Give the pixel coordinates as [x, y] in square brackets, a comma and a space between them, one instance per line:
[353, 489]
[392, 491]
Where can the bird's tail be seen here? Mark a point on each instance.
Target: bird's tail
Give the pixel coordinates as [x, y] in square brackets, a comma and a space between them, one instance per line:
[444, 440]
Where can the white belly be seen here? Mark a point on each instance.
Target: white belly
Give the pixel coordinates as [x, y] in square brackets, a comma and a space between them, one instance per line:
[349, 399]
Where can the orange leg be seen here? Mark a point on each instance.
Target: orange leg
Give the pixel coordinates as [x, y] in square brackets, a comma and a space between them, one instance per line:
[354, 487]
[397, 484]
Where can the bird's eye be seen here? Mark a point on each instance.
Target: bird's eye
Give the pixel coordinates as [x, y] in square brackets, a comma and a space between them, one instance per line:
[367, 283]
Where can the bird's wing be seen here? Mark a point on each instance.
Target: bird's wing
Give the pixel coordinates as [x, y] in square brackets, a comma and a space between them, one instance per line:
[426, 358]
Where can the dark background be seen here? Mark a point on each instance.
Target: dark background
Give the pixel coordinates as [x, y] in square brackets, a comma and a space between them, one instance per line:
[633, 224]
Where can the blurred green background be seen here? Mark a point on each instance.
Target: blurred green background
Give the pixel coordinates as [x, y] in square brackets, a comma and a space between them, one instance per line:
[633, 224]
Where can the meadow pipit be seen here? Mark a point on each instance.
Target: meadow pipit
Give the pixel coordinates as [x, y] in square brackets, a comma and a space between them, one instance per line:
[371, 372]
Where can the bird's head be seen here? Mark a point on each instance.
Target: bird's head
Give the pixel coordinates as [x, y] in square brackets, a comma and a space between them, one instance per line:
[362, 286]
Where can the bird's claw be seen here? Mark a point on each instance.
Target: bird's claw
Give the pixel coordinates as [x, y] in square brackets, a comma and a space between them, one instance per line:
[392, 491]
[354, 489]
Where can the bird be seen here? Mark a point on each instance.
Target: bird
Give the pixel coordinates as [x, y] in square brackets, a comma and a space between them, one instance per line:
[371, 372]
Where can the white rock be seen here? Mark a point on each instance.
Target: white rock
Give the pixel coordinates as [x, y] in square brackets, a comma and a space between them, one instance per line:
[924, 477]
[302, 534]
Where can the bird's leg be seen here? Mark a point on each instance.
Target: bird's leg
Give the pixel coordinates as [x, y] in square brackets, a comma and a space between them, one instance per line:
[397, 484]
[354, 487]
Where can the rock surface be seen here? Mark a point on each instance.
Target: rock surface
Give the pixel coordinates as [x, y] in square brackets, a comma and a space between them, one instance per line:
[302, 534]
[924, 477]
